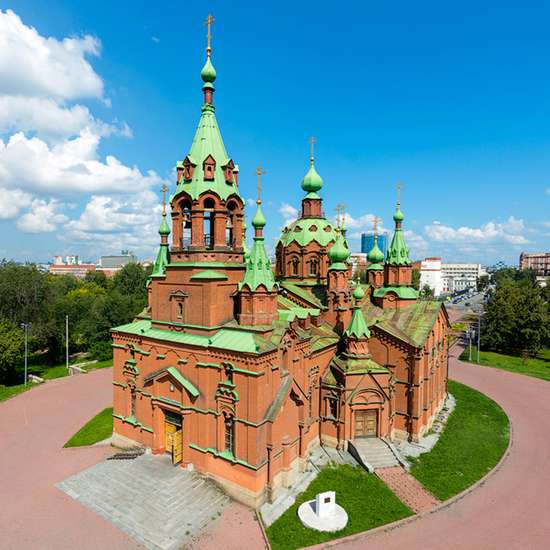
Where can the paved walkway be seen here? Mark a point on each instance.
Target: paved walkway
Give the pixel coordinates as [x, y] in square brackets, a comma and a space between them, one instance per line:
[408, 489]
[160, 505]
[510, 510]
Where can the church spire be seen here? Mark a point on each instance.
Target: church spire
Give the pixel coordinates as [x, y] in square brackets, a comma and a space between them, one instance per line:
[163, 255]
[208, 73]
[398, 253]
[357, 328]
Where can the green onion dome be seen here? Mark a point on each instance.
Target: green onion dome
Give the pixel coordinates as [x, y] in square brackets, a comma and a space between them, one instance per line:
[358, 292]
[259, 221]
[312, 181]
[375, 255]
[208, 73]
[398, 216]
[164, 228]
[339, 252]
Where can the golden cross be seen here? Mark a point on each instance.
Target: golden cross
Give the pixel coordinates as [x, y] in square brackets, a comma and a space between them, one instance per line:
[312, 141]
[208, 23]
[376, 222]
[260, 172]
[339, 210]
[164, 190]
[399, 192]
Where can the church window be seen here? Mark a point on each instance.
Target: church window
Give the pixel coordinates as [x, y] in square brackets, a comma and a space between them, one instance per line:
[209, 167]
[332, 407]
[229, 433]
[186, 226]
[314, 267]
[180, 310]
[188, 169]
[229, 226]
[133, 401]
[294, 265]
[208, 221]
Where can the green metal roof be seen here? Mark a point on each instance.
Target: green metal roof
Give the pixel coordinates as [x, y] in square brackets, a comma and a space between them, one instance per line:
[162, 260]
[357, 327]
[398, 253]
[305, 230]
[258, 265]
[208, 142]
[226, 339]
[312, 181]
[210, 274]
[375, 267]
[183, 381]
[375, 255]
[357, 365]
[404, 292]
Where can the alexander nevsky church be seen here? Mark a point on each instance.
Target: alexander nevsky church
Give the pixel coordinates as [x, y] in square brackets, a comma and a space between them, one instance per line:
[241, 368]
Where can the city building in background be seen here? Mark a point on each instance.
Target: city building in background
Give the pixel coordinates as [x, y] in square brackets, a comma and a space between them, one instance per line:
[358, 262]
[111, 264]
[367, 242]
[460, 277]
[60, 267]
[431, 275]
[539, 262]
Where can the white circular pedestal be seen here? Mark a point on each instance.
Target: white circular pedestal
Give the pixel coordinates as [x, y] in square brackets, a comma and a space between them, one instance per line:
[336, 521]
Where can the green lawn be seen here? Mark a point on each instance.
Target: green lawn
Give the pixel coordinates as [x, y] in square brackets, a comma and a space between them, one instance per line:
[100, 427]
[367, 500]
[538, 366]
[473, 441]
[9, 391]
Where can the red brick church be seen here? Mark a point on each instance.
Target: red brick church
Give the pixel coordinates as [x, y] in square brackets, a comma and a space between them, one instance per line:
[240, 369]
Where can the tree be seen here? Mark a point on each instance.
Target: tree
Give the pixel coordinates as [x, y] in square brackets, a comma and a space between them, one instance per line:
[97, 277]
[131, 280]
[416, 279]
[12, 344]
[427, 291]
[482, 282]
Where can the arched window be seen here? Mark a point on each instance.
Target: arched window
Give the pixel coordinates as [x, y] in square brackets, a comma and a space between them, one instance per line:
[229, 435]
[294, 263]
[230, 224]
[209, 223]
[314, 267]
[186, 224]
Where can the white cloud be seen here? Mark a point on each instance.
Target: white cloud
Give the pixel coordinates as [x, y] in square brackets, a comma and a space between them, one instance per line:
[511, 232]
[33, 65]
[42, 217]
[70, 166]
[155, 39]
[111, 224]
[288, 212]
[12, 201]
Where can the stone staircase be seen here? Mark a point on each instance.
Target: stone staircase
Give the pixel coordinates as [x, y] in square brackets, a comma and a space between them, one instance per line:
[373, 453]
[321, 456]
[161, 506]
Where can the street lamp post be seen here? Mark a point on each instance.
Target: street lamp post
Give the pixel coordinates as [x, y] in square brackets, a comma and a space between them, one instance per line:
[478, 334]
[67, 341]
[26, 327]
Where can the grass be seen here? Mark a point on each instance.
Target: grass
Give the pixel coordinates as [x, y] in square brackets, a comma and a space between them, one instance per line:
[9, 391]
[473, 441]
[538, 367]
[367, 500]
[100, 427]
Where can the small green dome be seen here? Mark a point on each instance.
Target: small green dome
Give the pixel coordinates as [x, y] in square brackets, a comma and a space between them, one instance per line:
[358, 292]
[164, 228]
[375, 255]
[398, 216]
[339, 252]
[312, 181]
[259, 221]
[208, 73]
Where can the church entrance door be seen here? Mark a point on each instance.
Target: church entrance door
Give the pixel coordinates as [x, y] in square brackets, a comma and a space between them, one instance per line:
[173, 436]
[366, 424]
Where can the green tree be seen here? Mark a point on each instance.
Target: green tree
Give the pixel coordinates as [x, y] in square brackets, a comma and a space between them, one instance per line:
[97, 277]
[482, 282]
[131, 280]
[12, 344]
[427, 291]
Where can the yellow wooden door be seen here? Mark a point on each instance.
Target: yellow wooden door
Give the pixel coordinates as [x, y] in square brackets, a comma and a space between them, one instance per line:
[359, 424]
[371, 424]
[177, 447]
[169, 431]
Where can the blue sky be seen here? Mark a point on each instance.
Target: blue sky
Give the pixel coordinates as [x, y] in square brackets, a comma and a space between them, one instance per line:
[99, 99]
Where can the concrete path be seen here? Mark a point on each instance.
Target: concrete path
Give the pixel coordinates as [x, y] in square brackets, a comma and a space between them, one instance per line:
[34, 426]
[510, 510]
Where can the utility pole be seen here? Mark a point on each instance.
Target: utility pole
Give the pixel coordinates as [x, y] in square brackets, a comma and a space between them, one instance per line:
[470, 338]
[67, 341]
[478, 334]
[25, 327]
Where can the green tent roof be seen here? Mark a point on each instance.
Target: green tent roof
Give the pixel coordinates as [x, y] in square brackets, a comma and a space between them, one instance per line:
[305, 230]
[357, 327]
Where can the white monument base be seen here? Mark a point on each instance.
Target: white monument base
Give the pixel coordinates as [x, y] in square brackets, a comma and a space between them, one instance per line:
[336, 520]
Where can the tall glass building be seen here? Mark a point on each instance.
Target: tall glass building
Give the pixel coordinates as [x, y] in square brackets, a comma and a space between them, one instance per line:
[367, 242]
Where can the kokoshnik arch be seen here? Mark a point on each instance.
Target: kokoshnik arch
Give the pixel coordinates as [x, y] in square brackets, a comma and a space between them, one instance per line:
[241, 370]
